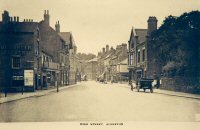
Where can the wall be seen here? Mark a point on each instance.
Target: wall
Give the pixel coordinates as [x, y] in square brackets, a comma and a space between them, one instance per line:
[182, 84]
[15, 44]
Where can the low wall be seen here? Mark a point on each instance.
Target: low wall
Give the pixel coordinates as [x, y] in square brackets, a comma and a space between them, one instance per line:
[181, 84]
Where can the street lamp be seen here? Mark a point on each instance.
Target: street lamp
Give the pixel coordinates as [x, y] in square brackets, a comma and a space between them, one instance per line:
[57, 81]
[81, 73]
[65, 51]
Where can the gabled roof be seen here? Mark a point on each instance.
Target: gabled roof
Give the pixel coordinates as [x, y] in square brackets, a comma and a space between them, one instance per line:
[141, 33]
[68, 37]
[42, 25]
[133, 33]
[65, 36]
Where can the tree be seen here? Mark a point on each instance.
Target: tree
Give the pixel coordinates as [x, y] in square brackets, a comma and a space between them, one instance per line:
[86, 57]
[176, 45]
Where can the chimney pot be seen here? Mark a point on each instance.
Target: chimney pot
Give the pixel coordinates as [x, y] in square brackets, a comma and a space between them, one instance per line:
[103, 50]
[14, 19]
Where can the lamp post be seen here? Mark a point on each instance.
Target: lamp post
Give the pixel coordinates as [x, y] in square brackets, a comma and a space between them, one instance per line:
[62, 65]
[81, 73]
[57, 82]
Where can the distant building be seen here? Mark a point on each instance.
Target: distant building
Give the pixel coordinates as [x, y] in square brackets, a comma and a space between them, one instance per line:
[72, 59]
[122, 70]
[118, 56]
[32, 54]
[108, 60]
[91, 69]
[139, 54]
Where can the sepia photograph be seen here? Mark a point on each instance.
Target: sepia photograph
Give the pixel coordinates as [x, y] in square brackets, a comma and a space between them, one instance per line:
[92, 64]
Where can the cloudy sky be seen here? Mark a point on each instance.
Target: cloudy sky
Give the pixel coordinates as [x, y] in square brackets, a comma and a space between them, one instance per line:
[95, 23]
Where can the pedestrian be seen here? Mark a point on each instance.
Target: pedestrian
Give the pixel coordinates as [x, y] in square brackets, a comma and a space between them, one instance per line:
[131, 85]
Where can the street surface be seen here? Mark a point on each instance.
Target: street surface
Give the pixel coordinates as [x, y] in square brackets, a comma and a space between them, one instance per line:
[94, 101]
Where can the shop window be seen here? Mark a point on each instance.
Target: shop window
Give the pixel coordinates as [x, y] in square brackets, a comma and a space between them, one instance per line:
[16, 62]
[131, 59]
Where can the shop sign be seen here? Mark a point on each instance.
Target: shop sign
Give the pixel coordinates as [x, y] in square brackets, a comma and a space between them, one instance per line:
[18, 78]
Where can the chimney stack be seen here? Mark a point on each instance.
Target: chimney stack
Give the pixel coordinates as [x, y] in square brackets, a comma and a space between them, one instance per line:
[107, 48]
[57, 27]
[46, 17]
[14, 19]
[11, 19]
[17, 19]
[103, 50]
[152, 24]
[5, 17]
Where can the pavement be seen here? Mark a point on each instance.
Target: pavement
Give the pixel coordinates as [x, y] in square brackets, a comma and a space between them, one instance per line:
[17, 96]
[165, 92]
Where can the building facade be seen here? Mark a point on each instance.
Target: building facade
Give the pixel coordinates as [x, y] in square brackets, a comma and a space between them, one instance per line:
[72, 58]
[108, 60]
[32, 54]
[91, 69]
[139, 56]
[122, 70]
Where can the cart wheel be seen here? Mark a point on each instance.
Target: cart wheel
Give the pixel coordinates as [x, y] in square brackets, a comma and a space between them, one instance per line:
[144, 89]
[151, 90]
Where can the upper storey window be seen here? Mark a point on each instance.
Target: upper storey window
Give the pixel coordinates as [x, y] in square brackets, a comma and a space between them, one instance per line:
[132, 43]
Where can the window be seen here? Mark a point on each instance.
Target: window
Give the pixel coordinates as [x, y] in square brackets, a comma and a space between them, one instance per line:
[143, 54]
[131, 43]
[131, 59]
[16, 62]
[139, 56]
[62, 59]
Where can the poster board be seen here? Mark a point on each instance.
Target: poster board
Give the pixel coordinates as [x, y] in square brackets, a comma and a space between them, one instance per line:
[28, 77]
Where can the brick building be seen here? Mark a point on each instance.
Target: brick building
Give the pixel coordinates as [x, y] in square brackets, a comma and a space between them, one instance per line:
[32, 54]
[139, 56]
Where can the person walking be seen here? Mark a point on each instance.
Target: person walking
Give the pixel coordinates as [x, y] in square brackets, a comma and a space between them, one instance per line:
[131, 85]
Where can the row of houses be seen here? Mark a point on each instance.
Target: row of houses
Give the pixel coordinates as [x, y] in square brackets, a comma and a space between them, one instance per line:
[35, 56]
[112, 63]
[132, 62]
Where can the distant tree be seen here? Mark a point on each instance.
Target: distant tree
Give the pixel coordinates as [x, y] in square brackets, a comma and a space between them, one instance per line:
[177, 45]
[84, 56]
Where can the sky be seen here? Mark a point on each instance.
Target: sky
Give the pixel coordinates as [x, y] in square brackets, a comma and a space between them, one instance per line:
[95, 23]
